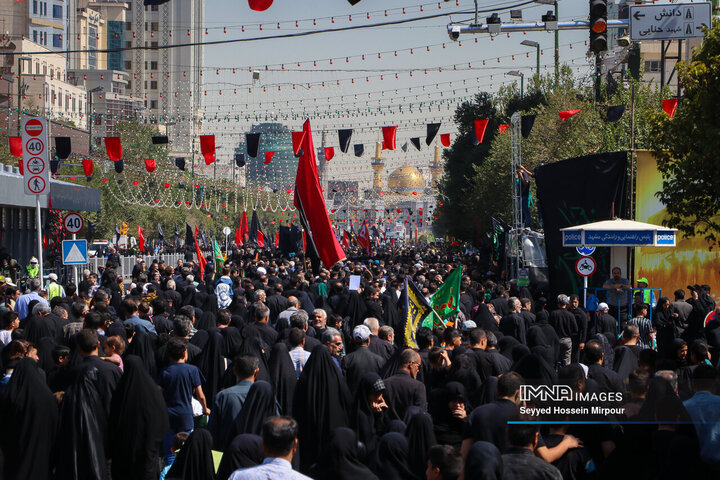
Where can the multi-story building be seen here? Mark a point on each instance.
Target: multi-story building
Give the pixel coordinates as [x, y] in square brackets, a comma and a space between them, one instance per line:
[168, 80]
[281, 171]
[42, 21]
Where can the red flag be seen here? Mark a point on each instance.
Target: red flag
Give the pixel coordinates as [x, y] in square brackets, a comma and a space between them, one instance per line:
[201, 259]
[45, 242]
[445, 139]
[329, 153]
[480, 127]
[21, 167]
[260, 5]
[567, 114]
[113, 148]
[277, 239]
[88, 167]
[243, 228]
[670, 105]
[384, 147]
[363, 238]
[150, 164]
[207, 147]
[311, 206]
[141, 239]
[389, 137]
[503, 127]
[297, 141]
[15, 146]
[268, 157]
[346, 240]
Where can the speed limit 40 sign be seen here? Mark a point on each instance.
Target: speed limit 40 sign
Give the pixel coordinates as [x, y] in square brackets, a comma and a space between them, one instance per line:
[73, 223]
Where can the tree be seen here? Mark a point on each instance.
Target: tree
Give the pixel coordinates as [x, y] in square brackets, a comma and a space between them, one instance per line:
[688, 146]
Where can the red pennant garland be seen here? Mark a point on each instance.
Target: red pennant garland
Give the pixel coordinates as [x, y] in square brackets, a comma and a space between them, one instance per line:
[670, 105]
[88, 167]
[113, 148]
[268, 157]
[503, 127]
[567, 114]
[260, 5]
[480, 127]
[445, 139]
[389, 137]
[207, 147]
[150, 164]
[329, 153]
[15, 146]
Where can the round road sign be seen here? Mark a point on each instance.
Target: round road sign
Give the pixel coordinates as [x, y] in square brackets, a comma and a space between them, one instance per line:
[36, 165]
[227, 231]
[585, 251]
[73, 222]
[35, 146]
[36, 185]
[585, 266]
[34, 127]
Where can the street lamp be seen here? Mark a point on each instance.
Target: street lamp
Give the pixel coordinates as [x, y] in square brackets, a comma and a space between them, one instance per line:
[515, 73]
[21, 89]
[90, 115]
[536, 45]
[554, 3]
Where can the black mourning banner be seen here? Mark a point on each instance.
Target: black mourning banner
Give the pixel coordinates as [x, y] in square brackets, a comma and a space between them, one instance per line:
[415, 141]
[180, 162]
[159, 139]
[344, 138]
[432, 130]
[615, 113]
[63, 147]
[526, 125]
[253, 144]
[359, 149]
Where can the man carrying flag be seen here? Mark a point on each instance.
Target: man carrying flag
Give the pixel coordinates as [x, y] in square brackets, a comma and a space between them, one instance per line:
[242, 232]
[201, 259]
[414, 309]
[219, 259]
[446, 301]
[141, 239]
[363, 238]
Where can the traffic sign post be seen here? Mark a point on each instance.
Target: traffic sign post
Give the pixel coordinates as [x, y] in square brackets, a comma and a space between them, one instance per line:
[74, 252]
[585, 266]
[585, 251]
[36, 174]
[73, 223]
[674, 21]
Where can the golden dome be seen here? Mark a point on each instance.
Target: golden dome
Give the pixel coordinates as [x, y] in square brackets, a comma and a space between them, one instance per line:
[406, 180]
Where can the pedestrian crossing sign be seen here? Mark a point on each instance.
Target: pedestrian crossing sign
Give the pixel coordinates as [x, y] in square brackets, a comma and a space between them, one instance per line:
[74, 252]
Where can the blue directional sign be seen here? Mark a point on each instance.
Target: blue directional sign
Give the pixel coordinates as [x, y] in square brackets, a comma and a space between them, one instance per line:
[585, 251]
[74, 252]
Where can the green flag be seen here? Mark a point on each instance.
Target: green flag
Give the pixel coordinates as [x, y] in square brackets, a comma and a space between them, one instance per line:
[446, 301]
[219, 260]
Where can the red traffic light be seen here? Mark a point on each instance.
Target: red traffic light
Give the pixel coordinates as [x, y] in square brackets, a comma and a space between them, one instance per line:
[599, 26]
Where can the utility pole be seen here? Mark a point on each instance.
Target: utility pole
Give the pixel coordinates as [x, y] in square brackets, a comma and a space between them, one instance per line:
[557, 47]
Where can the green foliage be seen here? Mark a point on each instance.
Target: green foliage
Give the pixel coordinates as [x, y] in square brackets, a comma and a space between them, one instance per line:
[688, 146]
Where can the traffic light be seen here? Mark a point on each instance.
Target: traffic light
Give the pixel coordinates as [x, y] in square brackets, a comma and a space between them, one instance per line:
[598, 26]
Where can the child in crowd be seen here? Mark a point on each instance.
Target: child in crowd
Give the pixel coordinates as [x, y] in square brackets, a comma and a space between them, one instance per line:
[114, 348]
[8, 323]
[177, 443]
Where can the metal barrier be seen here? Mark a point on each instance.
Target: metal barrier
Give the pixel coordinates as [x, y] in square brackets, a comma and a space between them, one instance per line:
[600, 295]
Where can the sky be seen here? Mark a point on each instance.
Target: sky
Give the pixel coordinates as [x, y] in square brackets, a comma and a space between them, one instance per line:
[365, 94]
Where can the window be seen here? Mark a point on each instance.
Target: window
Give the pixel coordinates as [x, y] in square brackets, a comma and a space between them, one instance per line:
[129, 85]
[153, 103]
[146, 26]
[44, 9]
[154, 27]
[128, 65]
[57, 11]
[128, 44]
[153, 65]
[145, 86]
[128, 26]
[652, 65]
[35, 9]
[154, 44]
[57, 40]
[154, 8]
[35, 38]
[153, 84]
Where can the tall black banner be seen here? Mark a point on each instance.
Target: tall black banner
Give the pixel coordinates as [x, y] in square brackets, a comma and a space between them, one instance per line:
[574, 192]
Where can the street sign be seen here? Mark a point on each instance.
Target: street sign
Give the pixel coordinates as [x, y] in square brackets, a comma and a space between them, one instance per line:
[585, 266]
[73, 223]
[74, 252]
[227, 231]
[36, 176]
[669, 21]
[585, 251]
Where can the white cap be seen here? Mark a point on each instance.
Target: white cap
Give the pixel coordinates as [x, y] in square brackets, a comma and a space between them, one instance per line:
[361, 333]
[261, 270]
[603, 306]
[33, 260]
[51, 276]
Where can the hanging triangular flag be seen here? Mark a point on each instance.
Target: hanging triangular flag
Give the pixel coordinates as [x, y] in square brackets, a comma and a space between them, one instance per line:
[159, 139]
[359, 149]
[150, 165]
[670, 105]
[389, 137]
[503, 127]
[88, 167]
[207, 147]
[63, 147]
[253, 144]
[445, 139]
[297, 140]
[404, 147]
[480, 127]
[564, 115]
[15, 146]
[180, 163]
[344, 137]
[119, 165]
[113, 148]
[260, 5]
[54, 166]
[432, 130]
[416, 142]
[268, 157]
[240, 160]
[329, 153]
[615, 113]
[141, 239]
[526, 125]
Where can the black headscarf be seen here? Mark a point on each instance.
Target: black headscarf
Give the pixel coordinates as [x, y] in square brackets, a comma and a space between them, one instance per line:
[506, 344]
[245, 451]
[535, 370]
[449, 430]
[194, 461]
[609, 359]
[393, 462]
[255, 346]
[200, 338]
[206, 321]
[539, 345]
[80, 449]
[138, 422]
[463, 370]
[28, 415]
[420, 437]
[212, 364]
[484, 462]
[321, 404]
[259, 405]
[340, 459]
[233, 340]
[284, 379]
[518, 352]
[355, 309]
[143, 346]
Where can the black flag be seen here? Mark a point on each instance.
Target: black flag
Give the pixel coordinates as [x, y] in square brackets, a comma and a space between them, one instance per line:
[161, 235]
[180, 163]
[159, 139]
[404, 147]
[256, 236]
[177, 236]
[344, 136]
[54, 166]
[359, 149]
[204, 237]
[119, 165]
[615, 113]
[189, 238]
[91, 231]
[240, 160]
[62, 147]
[415, 141]
[117, 233]
[253, 144]
[432, 130]
[526, 124]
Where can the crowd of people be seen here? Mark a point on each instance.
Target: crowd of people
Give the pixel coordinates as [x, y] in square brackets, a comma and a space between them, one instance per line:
[266, 370]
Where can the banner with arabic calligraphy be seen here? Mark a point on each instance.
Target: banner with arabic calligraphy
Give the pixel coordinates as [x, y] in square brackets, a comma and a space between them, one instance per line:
[669, 268]
[574, 192]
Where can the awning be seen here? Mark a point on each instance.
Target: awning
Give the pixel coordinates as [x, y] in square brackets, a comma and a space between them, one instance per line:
[618, 233]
